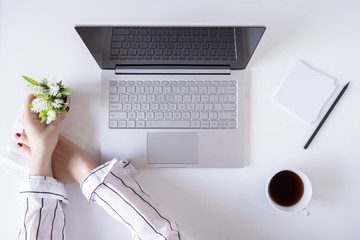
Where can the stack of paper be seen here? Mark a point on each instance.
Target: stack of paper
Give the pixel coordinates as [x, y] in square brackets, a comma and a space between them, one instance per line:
[304, 92]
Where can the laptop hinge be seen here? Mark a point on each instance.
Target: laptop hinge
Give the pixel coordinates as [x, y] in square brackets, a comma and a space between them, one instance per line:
[174, 69]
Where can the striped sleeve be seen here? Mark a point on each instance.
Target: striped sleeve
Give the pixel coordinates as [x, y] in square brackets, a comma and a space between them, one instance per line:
[112, 186]
[43, 201]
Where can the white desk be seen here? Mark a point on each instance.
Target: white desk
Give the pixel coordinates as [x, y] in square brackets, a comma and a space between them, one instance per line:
[37, 39]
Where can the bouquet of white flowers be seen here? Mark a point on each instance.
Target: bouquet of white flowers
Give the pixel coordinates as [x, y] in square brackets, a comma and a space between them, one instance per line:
[50, 98]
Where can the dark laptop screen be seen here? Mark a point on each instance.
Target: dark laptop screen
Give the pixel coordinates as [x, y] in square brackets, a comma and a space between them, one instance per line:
[171, 46]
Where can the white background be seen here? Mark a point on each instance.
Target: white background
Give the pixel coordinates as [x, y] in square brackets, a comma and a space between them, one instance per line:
[37, 39]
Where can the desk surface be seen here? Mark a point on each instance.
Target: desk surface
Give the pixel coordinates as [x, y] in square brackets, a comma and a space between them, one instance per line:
[38, 39]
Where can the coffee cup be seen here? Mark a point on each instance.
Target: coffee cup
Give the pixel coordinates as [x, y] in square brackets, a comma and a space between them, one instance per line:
[289, 190]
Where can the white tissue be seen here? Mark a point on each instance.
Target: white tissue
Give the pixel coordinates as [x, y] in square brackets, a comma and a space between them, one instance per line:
[16, 162]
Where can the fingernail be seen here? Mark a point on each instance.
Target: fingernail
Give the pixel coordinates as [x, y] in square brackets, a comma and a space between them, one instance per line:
[18, 135]
[67, 108]
[20, 145]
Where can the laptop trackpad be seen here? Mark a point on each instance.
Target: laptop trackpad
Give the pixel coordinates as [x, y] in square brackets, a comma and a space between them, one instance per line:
[172, 148]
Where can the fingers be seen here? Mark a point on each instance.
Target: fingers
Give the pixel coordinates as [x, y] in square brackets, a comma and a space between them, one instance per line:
[22, 138]
[23, 143]
[24, 148]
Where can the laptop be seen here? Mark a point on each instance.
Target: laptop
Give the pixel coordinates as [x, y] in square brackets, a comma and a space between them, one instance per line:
[174, 96]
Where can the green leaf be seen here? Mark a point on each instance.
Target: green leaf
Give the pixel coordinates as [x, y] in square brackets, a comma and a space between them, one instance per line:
[63, 111]
[30, 106]
[44, 82]
[31, 81]
[43, 119]
[42, 113]
[59, 95]
[65, 93]
[66, 89]
[39, 95]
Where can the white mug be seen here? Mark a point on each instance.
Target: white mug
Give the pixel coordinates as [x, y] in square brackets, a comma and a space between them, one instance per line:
[304, 199]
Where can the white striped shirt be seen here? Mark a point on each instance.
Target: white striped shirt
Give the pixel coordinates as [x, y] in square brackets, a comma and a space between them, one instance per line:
[111, 186]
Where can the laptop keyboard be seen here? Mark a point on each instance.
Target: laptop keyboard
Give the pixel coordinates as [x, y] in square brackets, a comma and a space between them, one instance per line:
[173, 43]
[173, 104]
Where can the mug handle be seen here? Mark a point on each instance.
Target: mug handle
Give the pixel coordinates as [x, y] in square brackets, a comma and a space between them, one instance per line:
[305, 212]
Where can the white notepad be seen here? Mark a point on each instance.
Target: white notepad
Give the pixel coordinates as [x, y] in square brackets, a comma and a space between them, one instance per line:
[304, 92]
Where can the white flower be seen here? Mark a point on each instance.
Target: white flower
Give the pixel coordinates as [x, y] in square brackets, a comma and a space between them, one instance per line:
[39, 105]
[35, 89]
[54, 90]
[51, 82]
[53, 86]
[58, 103]
[51, 115]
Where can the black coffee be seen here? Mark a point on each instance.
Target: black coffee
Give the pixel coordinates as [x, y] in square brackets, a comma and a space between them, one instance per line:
[286, 188]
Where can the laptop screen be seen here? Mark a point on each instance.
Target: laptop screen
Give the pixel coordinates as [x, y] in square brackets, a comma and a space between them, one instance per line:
[185, 47]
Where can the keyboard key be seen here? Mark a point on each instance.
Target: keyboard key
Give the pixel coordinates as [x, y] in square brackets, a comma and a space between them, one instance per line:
[232, 124]
[120, 115]
[141, 115]
[122, 31]
[131, 124]
[204, 115]
[168, 115]
[168, 124]
[113, 124]
[231, 90]
[127, 106]
[136, 107]
[115, 106]
[140, 124]
[199, 107]
[145, 106]
[227, 115]
[132, 115]
[195, 124]
[214, 124]
[114, 98]
[154, 106]
[232, 98]
[205, 124]
[186, 115]
[208, 107]
[229, 107]
[113, 89]
[121, 124]
[124, 97]
[195, 115]
[150, 115]
[159, 115]
[177, 115]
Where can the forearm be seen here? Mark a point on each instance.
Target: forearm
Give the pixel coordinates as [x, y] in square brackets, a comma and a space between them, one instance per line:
[40, 164]
[40, 167]
[112, 187]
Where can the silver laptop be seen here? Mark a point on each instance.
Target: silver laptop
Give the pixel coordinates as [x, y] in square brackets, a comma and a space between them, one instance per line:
[174, 96]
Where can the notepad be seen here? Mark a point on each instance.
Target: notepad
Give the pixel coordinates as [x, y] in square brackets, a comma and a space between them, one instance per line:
[304, 92]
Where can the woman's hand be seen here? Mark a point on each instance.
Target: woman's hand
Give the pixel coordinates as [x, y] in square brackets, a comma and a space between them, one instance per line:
[69, 163]
[40, 138]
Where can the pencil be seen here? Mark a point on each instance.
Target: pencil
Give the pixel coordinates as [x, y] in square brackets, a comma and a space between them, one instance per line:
[326, 116]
